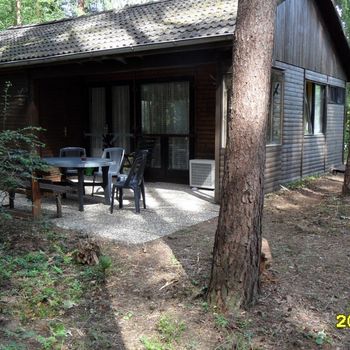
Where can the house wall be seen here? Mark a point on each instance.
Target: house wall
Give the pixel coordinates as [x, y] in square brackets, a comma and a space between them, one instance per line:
[18, 111]
[61, 112]
[303, 39]
[204, 86]
[61, 104]
[303, 155]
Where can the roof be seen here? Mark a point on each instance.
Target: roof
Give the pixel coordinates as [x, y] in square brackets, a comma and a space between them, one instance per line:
[135, 28]
[156, 25]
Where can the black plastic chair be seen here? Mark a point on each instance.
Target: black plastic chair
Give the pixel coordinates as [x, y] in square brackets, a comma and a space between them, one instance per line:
[72, 152]
[113, 153]
[134, 181]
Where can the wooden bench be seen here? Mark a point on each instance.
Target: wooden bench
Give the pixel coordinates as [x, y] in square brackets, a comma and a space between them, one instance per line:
[38, 188]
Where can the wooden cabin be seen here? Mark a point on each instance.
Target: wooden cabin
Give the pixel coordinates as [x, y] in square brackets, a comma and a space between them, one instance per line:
[159, 73]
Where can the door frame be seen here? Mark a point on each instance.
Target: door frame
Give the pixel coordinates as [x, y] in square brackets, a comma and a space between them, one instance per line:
[163, 173]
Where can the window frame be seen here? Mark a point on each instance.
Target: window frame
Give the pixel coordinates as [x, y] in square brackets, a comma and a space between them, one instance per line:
[336, 95]
[276, 76]
[312, 111]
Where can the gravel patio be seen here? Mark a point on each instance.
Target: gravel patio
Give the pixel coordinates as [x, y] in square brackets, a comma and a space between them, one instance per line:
[170, 207]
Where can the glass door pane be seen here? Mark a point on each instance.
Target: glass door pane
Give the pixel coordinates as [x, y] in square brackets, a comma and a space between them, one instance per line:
[97, 120]
[178, 153]
[165, 108]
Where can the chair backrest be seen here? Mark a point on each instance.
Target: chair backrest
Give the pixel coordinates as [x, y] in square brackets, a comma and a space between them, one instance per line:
[138, 167]
[147, 143]
[116, 154]
[72, 152]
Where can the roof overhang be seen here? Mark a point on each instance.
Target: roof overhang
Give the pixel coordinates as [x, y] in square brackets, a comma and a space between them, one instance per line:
[149, 48]
[333, 21]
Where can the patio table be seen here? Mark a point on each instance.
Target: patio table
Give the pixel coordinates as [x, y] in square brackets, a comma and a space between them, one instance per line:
[80, 164]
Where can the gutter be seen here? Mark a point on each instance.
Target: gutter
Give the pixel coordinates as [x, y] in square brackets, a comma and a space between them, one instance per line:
[123, 50]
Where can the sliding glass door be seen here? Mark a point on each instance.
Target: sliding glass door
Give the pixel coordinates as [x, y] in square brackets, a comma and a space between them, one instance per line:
[165, 118]
[109, 118]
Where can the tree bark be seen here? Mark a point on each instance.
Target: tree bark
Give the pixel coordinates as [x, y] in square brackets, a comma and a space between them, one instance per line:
[235, 271]
[346, 184]
[81, 6]
[18, 19]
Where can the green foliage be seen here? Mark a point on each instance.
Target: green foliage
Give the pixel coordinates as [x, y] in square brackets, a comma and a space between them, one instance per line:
[105, 262]
[221, 321]
[152, 343]
[18, 157]
[344, 11]
[170, 330]
[304, 182]
[31, 12]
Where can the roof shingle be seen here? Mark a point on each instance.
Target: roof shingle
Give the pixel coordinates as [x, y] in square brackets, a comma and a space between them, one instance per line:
[133, 28]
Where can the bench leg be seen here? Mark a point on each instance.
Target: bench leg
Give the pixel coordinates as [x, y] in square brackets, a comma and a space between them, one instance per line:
[12, 195]
[58, 205]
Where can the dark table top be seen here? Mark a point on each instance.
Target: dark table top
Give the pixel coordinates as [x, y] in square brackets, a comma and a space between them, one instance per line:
[77, 162]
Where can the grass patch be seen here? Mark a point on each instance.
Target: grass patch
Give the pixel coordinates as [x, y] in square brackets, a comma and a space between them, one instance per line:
[169, 330]
[42, 290]
[302, 183]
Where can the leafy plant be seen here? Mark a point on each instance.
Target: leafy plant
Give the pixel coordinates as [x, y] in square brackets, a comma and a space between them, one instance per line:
[221, 321]
[105, 262]
[170, 330]
[322, 338]
[151, 343]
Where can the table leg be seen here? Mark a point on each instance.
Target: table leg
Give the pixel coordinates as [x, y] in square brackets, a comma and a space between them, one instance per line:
[106, 184]
[36, 198]
[81, 188]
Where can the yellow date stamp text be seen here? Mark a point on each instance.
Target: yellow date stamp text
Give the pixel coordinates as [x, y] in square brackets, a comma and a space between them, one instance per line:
[343, 321]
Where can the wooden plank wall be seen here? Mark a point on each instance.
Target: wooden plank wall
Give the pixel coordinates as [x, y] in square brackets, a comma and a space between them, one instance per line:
[204, 81]
[313, 154]
[17, 115]
[273, 168]
[334, 140]
[302, 39]
[61, 113]
[292, 129]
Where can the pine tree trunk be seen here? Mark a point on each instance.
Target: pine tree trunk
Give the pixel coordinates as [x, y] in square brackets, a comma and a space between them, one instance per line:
[81, 6]
[236, 258]
[346, 184]
[18, 19]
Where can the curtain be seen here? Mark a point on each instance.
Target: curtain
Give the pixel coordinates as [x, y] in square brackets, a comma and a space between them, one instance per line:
[121, 116]
[97, 119]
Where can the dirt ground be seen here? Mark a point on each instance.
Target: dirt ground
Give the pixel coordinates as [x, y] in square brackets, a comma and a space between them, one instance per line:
[308, 230]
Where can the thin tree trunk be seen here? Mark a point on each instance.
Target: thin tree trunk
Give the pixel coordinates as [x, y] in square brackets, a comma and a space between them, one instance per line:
[235, 270]
[346, 184]
[81, 5]
[18, 19]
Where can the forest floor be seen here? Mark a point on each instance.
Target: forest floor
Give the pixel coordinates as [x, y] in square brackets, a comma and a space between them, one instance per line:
[151, 296]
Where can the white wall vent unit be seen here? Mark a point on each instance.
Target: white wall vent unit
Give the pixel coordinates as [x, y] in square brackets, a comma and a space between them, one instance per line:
[202, 173]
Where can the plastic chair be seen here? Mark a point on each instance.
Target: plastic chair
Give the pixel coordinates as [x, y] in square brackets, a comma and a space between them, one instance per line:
[134, 181]
[72, 152]
[113, 153]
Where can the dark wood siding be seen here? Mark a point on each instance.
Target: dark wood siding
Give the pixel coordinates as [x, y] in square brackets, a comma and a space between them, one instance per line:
[292, 133]
[61, 113]
[205, 96]
[313, 154]
[273, 168]
[334, 135]
[63, 104]
[204, 82]
[18, 111]
[302, 39]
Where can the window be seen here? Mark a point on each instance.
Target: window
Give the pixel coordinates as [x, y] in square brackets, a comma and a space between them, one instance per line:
[314, 108]
[274, 121]
[336, 95]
